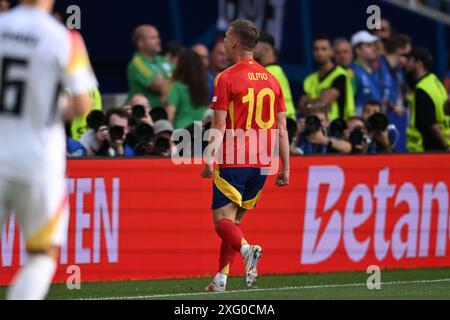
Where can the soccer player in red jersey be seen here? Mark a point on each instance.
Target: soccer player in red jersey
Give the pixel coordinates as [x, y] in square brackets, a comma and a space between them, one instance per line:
[247, 99]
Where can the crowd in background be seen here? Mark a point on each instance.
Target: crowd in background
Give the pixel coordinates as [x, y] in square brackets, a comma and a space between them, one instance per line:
[372, 93]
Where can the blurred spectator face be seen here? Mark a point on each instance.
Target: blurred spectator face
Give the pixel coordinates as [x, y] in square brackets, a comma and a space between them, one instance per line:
[366, 52]
[402, 53]
[128, 109]
[139, 99]
[142, 101]
[386, 31]
[218, 60]
[379, 48]
[370, 109]
[322, 116]
[118, 121]
[343, 53]
[322, 51]
[148, 40]
[4, 5]
[411, 66]
[261, 50]
[352, 124]
[203, 52]
[172, 51]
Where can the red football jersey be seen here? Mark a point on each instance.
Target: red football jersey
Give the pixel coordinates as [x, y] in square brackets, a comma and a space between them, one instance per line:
[253, 98]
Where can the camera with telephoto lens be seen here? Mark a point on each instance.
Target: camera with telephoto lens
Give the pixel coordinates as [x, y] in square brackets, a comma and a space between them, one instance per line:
[139, 139]
[138, 112]
[116, 132]
[95, 120]
[162, 145]
[312, 125]
[337, 128]
[357, 136]
[377, 123]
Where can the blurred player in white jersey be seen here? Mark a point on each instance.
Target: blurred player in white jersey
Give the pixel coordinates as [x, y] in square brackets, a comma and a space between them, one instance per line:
[38, 57]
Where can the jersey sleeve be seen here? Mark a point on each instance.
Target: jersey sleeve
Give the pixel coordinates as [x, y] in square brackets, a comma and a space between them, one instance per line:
[79, 76]
[221, 99]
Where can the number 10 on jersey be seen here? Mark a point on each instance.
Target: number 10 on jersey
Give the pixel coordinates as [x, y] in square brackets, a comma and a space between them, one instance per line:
[250, 99]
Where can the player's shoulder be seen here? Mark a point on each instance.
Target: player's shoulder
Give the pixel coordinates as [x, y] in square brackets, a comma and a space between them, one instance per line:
[222, 77]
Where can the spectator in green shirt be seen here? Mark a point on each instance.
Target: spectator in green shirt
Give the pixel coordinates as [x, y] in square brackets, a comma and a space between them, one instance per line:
[266, 54]
[148, 71]
[188, 97]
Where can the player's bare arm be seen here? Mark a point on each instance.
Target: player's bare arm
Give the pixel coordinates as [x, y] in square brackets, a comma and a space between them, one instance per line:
[218, 123]
[283, 176]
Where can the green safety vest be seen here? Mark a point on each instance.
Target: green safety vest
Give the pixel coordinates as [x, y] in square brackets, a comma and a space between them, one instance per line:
[436, 91]
[313, 87]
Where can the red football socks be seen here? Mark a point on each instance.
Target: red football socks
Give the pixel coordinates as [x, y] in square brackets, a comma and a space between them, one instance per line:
[227, 255]
[230, 234]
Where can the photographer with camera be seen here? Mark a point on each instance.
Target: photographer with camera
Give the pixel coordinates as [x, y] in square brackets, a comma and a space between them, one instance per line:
[313, 135]
[107, 134]
[383, 137]
[356, 135]
[162, 141]
[141, 130]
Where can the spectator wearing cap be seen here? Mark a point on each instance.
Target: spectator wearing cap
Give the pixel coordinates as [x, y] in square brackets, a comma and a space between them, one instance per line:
[163, 144]
[429, 128]
[394, 84]
[329, 86]
[4, 5]
[189, 96]
[266, 54]
[148, 72]
[368, 84]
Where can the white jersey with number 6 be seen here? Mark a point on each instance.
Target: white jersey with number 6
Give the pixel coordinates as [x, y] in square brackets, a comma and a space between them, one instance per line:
[38, 57]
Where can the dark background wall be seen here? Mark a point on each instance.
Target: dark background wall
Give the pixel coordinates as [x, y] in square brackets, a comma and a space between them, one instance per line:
[107, 28]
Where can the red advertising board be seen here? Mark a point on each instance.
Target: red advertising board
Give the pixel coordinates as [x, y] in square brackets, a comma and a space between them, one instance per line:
[151, 219]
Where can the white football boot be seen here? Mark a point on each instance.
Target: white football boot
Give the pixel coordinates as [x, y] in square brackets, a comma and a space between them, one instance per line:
[251, 259]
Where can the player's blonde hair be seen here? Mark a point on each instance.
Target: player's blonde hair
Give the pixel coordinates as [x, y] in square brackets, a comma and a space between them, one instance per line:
[247, 33]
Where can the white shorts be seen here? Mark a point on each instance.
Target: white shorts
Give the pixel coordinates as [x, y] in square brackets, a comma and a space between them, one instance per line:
[41, 208]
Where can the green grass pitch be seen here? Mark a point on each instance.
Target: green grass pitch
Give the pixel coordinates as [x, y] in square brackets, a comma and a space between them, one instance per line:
[399, 284]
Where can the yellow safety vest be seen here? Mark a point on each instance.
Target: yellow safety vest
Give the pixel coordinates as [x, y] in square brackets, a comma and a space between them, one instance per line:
[313, 87]
[79, 124]
[434, 88]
